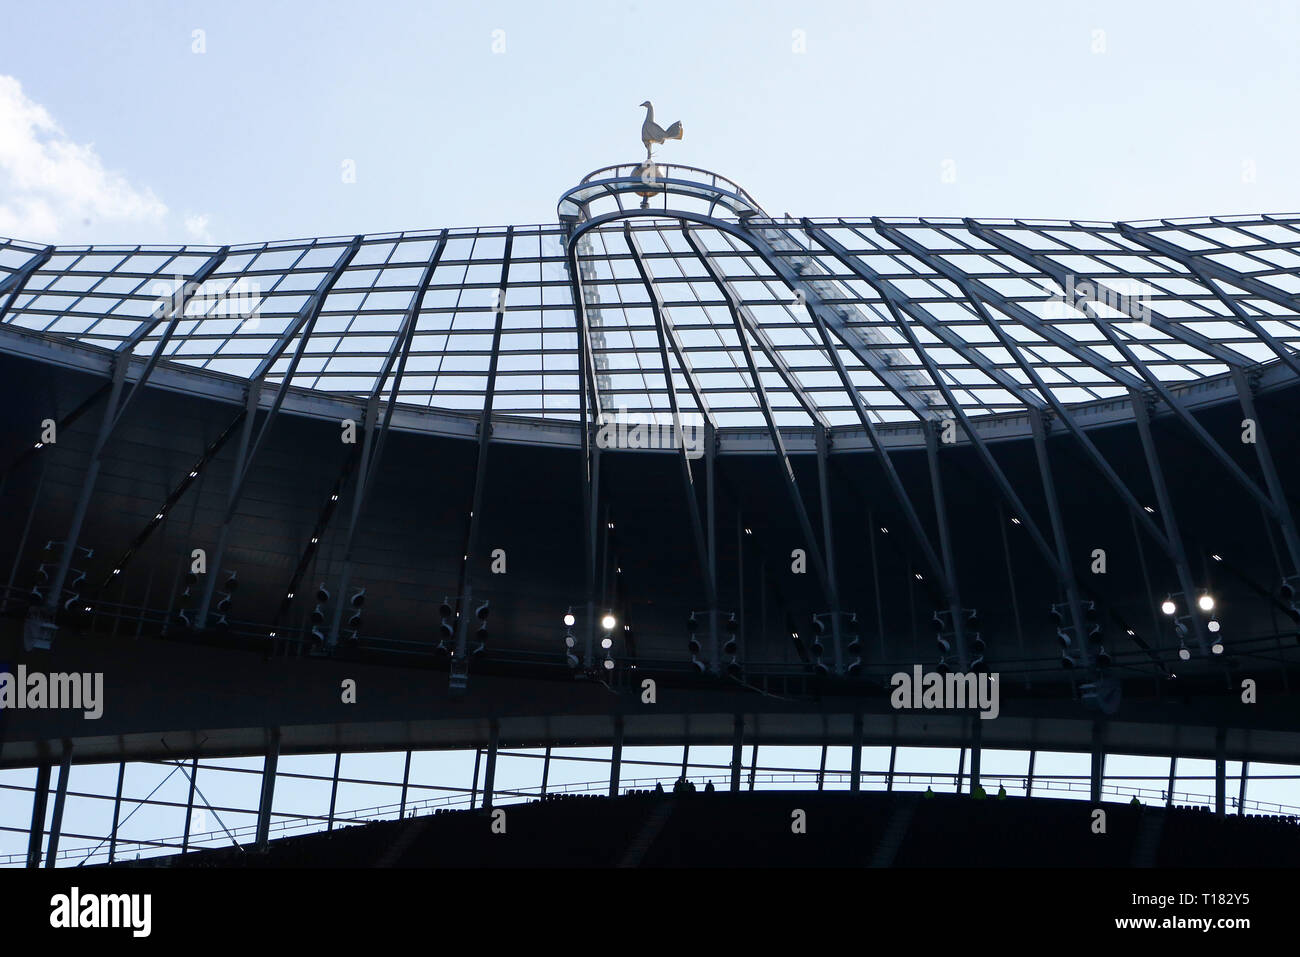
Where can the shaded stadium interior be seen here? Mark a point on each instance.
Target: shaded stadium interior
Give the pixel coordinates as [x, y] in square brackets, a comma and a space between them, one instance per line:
[620, 537]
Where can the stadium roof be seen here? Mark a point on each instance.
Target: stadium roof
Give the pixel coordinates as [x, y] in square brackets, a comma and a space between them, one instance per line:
[924, 315]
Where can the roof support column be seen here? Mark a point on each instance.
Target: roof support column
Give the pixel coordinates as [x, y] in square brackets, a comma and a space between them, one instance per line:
[945, 545]
[490, 773]
[334, 788]
[60, 800]
[302, 327]
[705, 551]
[737, 749]
[774, 433]
[986, 458]
[616, 756]
[1097, 765]
[589, 419]
[855, 760]
[406, 781]
[373, 444]
[189, 804]
[40, 800]
[828, 543]
[269, 765]
[1246, 395]
[460, 661]
[1220, 771]
[173, 310]
[1142, 413]
[251, 396]
[117, 812]
[1058, 535]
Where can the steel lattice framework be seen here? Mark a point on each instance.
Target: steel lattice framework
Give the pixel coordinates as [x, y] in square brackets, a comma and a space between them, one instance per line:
[1002, 315]
[777, 334]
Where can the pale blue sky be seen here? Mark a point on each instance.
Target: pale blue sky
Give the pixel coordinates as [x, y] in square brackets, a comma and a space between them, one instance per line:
[1162, 114]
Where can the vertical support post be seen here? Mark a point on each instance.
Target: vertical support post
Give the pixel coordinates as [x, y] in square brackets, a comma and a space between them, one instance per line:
[252, 396]
[22, 539]
[821, 771]
[1220, 771]
[334, 788]
[1058, 535]
[876, 597]
[40, 800]
[616, 756]
[976, 737]
[828, 545]
[1246, 396]
[1173, 769]
[1097, 766]
[740, 584]
[893, 754]
[1142, 414]
[406, 780]
[855, 763]
[117, 812]
[961, 770]
[490, 774]
[106, 424]
[268, 790]
[753, 765]
[473, 791]
[546, 769]
[1029, 777]
[737, 744]
[1241, 790]
[60, 799]
[686, 754]
[593, 499]
[711, 534]
[460, 662]
[945, 546]
[189, 804]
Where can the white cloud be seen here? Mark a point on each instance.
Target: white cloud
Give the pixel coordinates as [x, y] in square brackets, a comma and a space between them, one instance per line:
[196, 228]
[51, 187]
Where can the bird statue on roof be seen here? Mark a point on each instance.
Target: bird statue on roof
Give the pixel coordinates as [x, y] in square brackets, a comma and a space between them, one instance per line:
[652, 132]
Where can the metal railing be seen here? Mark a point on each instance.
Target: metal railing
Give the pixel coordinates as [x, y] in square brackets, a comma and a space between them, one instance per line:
[299, 824]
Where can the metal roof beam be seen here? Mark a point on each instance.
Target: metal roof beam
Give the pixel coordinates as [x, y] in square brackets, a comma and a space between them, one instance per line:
[1013, 348]
[372, 451]
[995, 471]
[688, 480]
[248, 446]
[1057, 272]
[787, 471]
[13, 284]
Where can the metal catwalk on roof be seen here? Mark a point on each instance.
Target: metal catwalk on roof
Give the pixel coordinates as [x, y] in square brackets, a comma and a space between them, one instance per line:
[988, 316]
